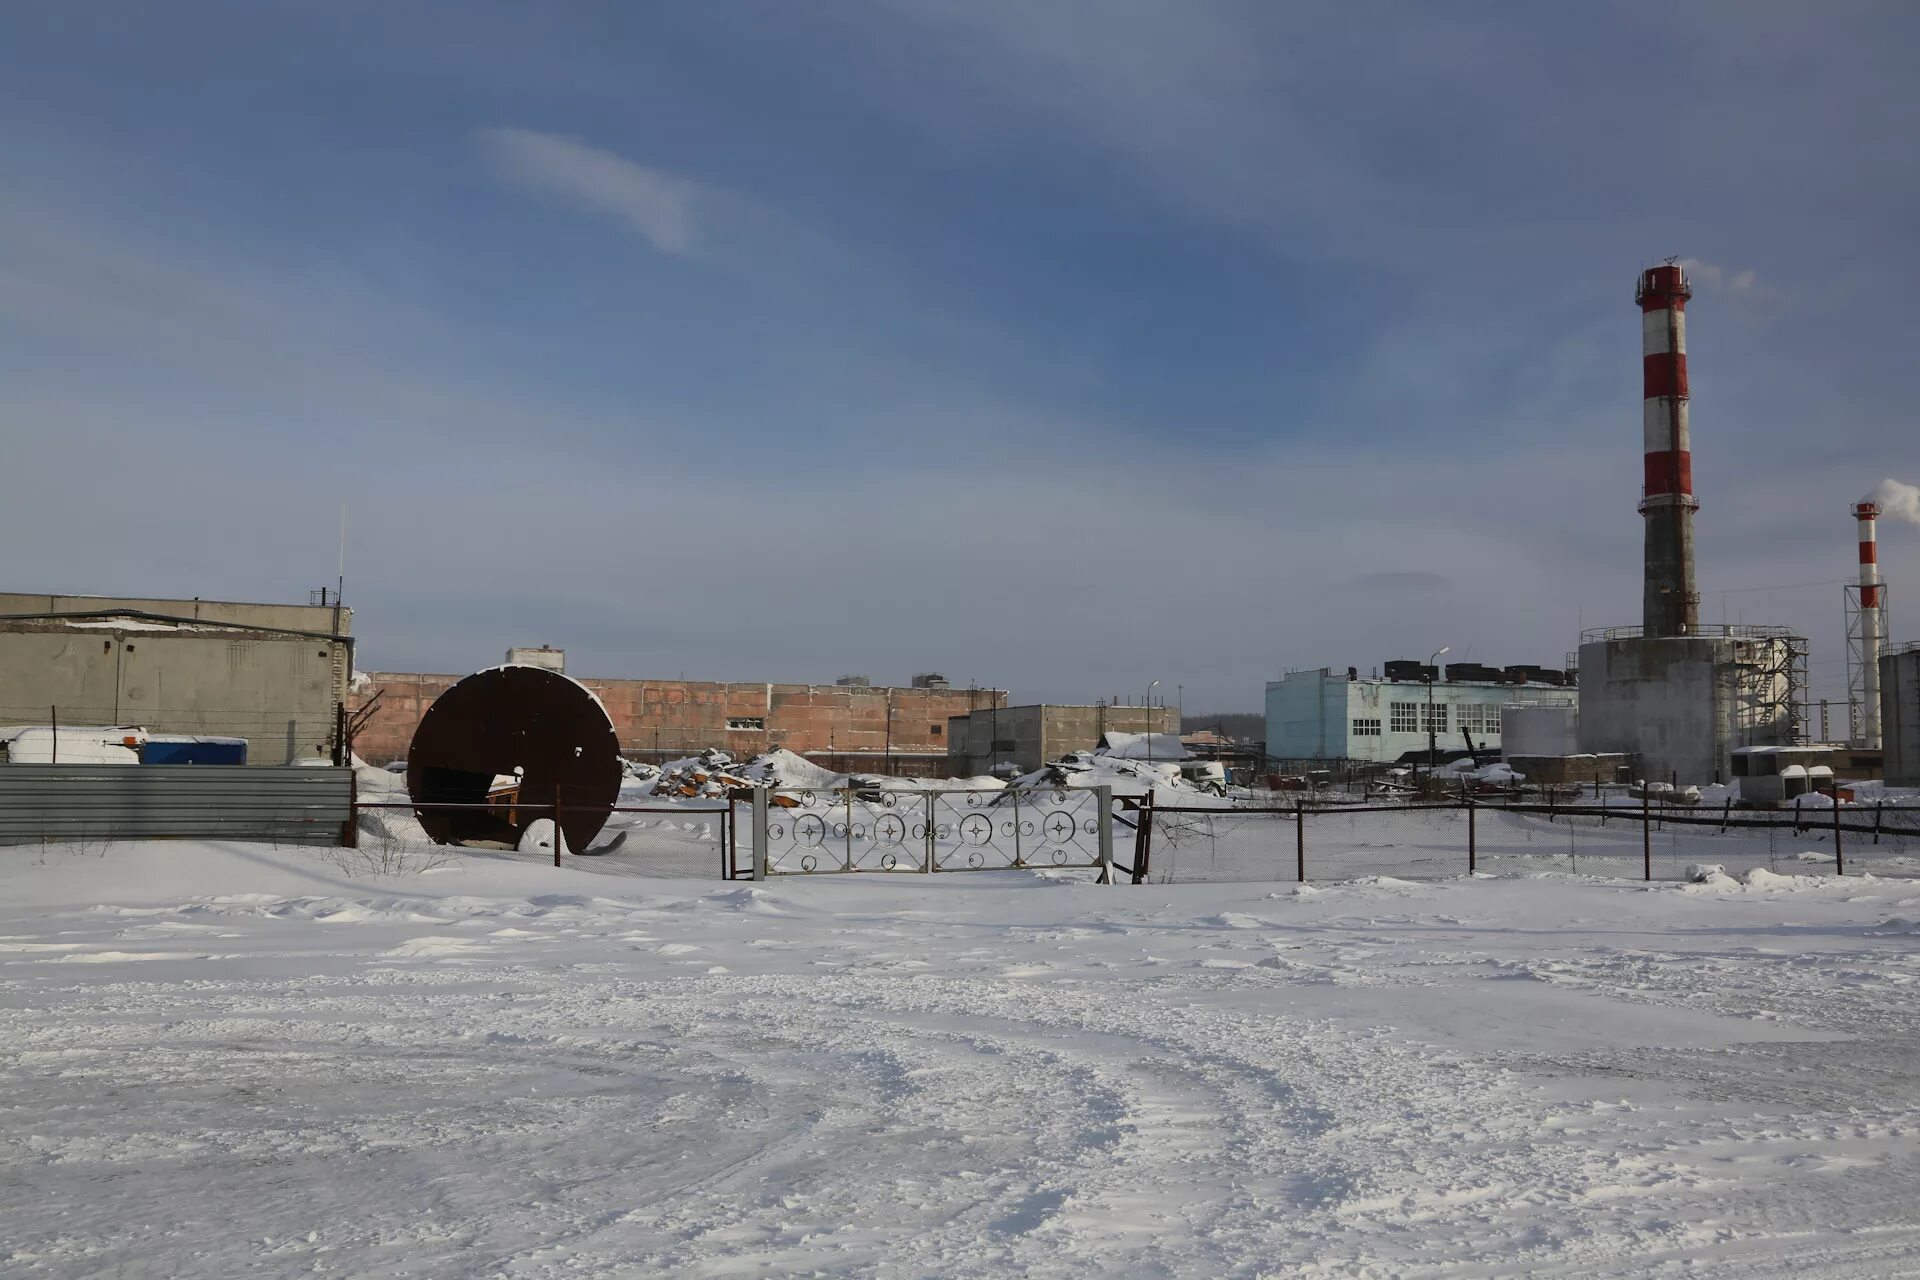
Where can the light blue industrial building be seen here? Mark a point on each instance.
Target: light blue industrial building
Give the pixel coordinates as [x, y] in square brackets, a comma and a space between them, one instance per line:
[1322, 714]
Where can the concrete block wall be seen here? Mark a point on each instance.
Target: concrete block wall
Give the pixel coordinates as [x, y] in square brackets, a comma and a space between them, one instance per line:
[276, 691]
[1033, 735]
[1563, 770]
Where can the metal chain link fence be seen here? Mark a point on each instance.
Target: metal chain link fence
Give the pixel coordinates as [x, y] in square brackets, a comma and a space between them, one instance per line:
[1190, 845]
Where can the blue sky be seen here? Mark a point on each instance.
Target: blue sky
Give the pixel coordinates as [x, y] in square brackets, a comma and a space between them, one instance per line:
[1061, 347]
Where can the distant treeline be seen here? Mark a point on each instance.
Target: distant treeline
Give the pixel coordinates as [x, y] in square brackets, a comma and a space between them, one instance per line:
[1246, 726]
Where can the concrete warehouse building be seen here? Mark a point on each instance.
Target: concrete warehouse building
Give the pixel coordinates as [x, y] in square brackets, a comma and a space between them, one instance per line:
[1030, 736]
[1323, 715]
[1900, 715]
[214, 668]
[849, 727]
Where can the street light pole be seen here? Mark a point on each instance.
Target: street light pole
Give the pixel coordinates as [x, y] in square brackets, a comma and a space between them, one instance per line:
[1149, 706]
[1433, 673]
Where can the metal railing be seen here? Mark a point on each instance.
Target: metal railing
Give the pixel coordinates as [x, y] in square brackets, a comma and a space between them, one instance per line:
[926, 831]
[1701, 630]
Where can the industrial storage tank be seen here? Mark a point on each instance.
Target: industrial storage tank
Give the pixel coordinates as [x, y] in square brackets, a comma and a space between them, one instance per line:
[1539, 730]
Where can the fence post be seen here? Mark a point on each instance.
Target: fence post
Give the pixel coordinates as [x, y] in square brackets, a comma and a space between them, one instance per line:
[1878, 805]
[933, 849]
[350, 836]
[1839, 862]
[848, 865]
[1473, 857]
[1103, 796]
[726, 839]
[1018, 856]
[1300, 839]
[350, 831]
[1646, 830]
[759, 832]
[1143, 838]
[559, 837]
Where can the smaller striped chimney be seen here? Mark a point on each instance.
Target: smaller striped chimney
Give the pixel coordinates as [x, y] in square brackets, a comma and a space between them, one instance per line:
[1872, 623]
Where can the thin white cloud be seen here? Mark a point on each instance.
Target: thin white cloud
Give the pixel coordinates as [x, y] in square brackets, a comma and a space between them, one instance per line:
[1713, 276]
[658, 205]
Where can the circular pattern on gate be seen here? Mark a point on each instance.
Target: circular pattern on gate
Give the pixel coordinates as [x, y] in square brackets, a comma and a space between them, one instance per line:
[810, 831]
[891, 828]
[976, 829]
[1058, 826]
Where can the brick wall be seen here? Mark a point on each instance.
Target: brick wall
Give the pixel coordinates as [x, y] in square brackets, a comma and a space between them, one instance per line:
[679, 717]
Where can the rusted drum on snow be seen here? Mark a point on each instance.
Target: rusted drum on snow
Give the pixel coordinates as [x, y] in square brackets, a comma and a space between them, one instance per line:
[504, 722]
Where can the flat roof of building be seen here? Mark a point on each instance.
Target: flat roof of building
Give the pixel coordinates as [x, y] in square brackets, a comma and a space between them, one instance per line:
[139, 620]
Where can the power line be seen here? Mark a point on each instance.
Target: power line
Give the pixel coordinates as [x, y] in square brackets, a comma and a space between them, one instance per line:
[1791, 586]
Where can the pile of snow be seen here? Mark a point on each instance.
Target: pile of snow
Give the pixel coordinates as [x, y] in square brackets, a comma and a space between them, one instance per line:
[1142, 746]
[783, 768]
[1714, 875]
[538, 837]
[979, 782]
[1497, 773]
[381, 786]
[1664, 792]
[1126, 777]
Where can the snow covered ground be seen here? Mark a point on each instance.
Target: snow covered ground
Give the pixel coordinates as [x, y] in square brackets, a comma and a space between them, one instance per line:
[225, 1059]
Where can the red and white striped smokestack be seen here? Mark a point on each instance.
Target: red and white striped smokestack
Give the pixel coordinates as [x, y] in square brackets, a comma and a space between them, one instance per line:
[1872, 623]
[1672, 604]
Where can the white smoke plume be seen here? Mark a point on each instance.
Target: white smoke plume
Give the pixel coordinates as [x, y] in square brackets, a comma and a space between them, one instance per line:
[1901, 501]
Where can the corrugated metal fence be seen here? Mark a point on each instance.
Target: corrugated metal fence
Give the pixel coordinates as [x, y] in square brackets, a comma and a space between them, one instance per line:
[49, 802]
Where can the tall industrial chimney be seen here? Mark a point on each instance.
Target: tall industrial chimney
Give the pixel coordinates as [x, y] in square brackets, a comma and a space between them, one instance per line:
[1672, 605]
[1872, 625]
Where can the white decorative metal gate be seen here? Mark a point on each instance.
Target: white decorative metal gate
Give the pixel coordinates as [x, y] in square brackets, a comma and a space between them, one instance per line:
[921, 831]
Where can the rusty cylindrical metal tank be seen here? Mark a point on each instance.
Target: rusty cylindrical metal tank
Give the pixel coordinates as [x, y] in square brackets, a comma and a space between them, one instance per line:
[538, 725]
